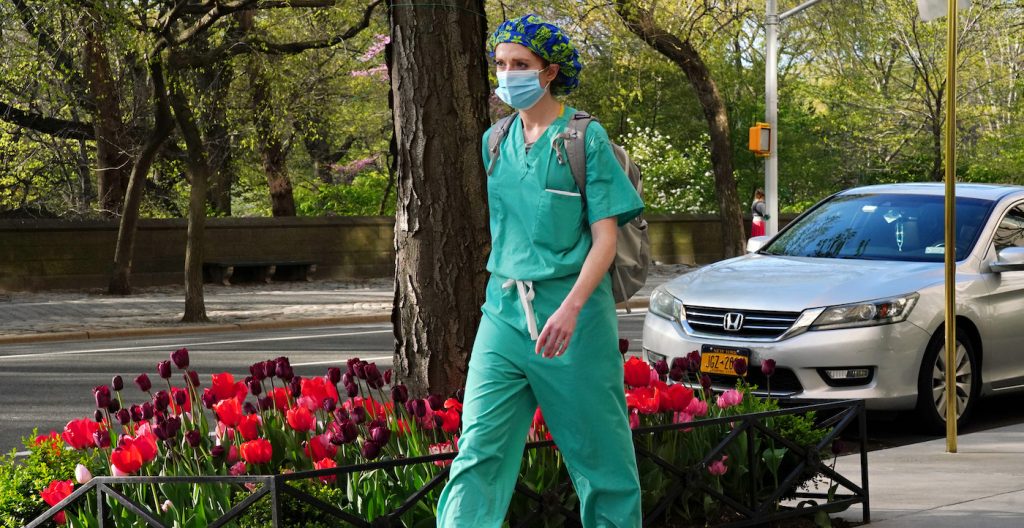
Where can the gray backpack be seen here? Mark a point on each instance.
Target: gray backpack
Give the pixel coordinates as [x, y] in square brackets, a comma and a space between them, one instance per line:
[633, 248]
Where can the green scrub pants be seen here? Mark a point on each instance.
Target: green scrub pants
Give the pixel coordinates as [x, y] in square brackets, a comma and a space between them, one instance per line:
[580, 393]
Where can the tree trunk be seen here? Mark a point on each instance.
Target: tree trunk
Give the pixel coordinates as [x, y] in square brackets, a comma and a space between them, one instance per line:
[439, 99]
[120, 280]
[113, 159]
[687, 58]
[199, 169]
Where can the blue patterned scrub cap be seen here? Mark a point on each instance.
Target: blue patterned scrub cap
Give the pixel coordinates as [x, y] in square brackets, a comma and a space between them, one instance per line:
[548, 42]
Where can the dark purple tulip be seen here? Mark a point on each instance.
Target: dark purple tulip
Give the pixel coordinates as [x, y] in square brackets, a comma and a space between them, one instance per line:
[370, 450]
[380, 435]
[180, 358]
[194, 438]
[295, 386]
[270, 367]
[160, 430]
[180, 397]
[102, 395]
[340, 415]
[117, 383]
[623, 346]
[266, 403]
[255, 387]
[358, 415]
[838, 447]
[283, 367]
[143, 382]
[388, 374]
[191, 377]
[114, 406]
[680, 363]
[420, 409]
[334, 374]
[258, 370]
[147, 411]
[705, 382]
[98, 415]
[740, 367]
[347, 379]
[360, 369]
[161, 400]
[163, 368]
[676, 374]
[123, 416]
[101, 439]
[372, 372]
[137, 414]
[768, 367]
[328, 404]
[352, 390]
[375, 383]
[208, 398]
[249, 408]
[173, 424]
[693, 358]
[346, 434]
[217, 451]
[436, 402]
[661, 367]
[399, 393]
[352, 362]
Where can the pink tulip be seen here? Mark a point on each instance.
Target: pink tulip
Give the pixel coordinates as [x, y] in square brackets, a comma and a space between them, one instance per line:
[718, 467]
[82, 474]
[729, 398]
[696, 407]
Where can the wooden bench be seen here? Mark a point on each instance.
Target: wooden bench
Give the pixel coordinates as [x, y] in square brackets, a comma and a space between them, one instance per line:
[230, 272]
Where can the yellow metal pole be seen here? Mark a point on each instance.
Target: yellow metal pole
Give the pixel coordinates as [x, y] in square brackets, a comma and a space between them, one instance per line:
[950, 252]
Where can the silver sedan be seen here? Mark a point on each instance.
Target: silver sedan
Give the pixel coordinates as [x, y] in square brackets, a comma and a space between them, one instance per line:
[848, 300]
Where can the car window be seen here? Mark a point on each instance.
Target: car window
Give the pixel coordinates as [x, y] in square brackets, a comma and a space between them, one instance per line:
[1010, 232]
[882, 227]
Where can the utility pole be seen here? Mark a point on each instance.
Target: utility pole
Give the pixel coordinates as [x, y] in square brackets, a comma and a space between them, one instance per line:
[771, 106]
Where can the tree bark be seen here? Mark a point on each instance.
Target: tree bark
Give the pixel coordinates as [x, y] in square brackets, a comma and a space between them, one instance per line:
[682, 52]
[120, 280]
[199, 169]
[113, 157]
[439, 99]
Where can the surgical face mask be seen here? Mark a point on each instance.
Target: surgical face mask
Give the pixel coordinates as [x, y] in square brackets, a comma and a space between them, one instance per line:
[520, 89]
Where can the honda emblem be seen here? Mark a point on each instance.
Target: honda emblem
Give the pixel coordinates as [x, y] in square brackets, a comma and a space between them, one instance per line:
[732, 322]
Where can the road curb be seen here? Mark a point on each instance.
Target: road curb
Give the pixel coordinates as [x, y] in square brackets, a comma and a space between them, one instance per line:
[112, 333]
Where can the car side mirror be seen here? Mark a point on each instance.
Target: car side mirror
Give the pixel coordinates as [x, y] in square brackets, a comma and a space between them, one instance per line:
[754, 244]
[1008, 259]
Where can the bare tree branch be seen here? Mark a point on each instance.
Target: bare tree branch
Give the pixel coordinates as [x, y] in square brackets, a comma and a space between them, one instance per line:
[47, 125]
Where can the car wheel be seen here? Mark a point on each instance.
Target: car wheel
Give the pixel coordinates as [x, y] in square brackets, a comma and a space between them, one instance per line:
[931, 385]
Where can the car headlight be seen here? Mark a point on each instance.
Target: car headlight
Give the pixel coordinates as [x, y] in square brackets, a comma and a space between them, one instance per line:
[664, 304]
[870, 313]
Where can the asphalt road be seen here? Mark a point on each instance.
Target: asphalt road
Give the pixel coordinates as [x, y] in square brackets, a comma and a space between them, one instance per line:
[46, 385]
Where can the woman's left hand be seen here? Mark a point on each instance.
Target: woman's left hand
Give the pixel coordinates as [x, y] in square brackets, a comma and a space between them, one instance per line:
[554, 339]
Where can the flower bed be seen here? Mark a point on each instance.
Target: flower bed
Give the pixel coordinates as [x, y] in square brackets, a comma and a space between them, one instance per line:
[352, 446]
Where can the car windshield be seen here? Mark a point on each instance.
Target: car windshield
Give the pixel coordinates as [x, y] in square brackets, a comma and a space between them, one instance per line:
[881, 227]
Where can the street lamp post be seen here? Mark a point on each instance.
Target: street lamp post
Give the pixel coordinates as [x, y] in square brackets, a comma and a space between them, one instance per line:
[771, 106]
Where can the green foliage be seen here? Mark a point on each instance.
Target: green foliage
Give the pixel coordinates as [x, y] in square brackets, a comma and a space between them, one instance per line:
[362, 198]
[675, 180]
[22, 477]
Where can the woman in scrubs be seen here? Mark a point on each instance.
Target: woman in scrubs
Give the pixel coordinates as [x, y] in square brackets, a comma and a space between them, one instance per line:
[549, 333]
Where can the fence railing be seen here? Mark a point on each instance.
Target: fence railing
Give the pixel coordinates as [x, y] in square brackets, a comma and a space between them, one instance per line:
[756, 505]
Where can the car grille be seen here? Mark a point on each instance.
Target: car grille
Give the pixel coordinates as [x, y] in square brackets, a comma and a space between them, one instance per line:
[756, 324]
[784, 381]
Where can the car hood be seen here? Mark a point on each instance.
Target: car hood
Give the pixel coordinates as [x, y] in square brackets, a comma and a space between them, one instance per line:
[792, 284]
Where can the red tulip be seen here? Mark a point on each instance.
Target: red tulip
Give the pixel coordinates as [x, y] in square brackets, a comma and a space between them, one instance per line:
[257, 451]
[647, 400]
[249, 426]
[450, 420]
[57, 491]
[229, 412]
[316, 390]
[675, 398]
[145, 442]
[326, 463]
[638, 372]
[320, 447]
[223, 386]
[126, 457]
[280, 396]
[79, 433]
[301, 419]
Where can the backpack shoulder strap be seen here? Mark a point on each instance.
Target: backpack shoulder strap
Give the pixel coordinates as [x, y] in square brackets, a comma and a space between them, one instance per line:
[576, 150]
[498, 133]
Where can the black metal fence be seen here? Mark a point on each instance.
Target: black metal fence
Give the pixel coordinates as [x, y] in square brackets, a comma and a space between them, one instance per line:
[753, 507]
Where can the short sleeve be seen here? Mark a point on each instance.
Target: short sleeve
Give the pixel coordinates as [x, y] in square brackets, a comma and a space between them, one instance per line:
[609, 191]
[483, 148]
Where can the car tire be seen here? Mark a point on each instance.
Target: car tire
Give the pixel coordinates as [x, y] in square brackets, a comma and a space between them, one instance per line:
[931, 384]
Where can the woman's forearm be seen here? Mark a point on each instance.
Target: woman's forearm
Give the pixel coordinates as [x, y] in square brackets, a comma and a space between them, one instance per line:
[596, 265]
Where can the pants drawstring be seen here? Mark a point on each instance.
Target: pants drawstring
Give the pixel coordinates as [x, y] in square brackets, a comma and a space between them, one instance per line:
[526, 294]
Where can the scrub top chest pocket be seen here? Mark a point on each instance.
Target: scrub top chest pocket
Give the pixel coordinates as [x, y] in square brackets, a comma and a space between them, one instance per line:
[559, 223]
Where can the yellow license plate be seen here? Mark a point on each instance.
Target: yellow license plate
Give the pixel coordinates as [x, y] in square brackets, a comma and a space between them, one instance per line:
[719, 361]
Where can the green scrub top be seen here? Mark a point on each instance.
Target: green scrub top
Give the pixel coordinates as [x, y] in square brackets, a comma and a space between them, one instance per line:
[540, 228]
